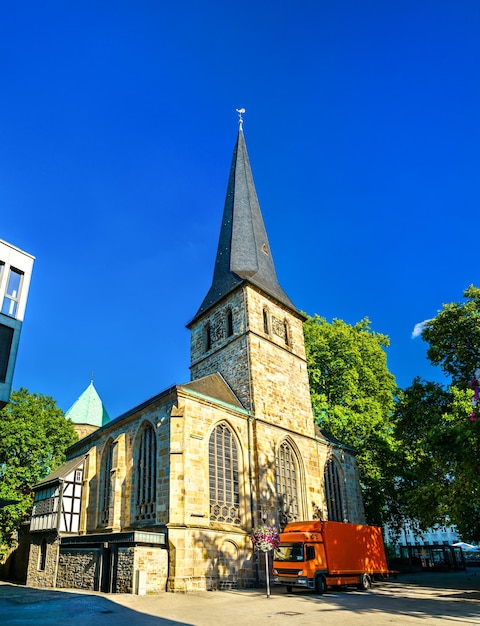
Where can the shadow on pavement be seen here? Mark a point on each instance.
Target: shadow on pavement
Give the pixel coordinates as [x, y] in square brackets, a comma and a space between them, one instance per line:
[26, 605]
[440, 595]
[466, 579]
[454, 597]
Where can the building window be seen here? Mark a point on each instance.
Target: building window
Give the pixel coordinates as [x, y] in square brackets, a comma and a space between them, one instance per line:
[12, 293]
[42, 556]
[145, 503]
[106, 484]
[266, 328]
[208, 337]
[6, 339]
[286, 332]
[333, 491]
[287, 484]
[229, 322]
[223, 476]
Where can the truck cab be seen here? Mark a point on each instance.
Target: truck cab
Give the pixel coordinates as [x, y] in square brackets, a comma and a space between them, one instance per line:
[300, 562]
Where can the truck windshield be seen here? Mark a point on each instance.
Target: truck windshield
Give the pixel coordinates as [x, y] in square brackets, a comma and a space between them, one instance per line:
[289, 552]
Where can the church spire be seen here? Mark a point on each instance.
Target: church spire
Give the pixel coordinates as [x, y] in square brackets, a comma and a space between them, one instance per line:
[243, 253]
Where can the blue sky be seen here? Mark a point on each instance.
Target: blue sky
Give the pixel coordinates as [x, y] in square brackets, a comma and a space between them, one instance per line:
[117, 123]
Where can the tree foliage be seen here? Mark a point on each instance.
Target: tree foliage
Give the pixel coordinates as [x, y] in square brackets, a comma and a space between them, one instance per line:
[422, 415]
[353, 398]
[441, 444]
[34, 435]
[418, 449]
[441, 457]
[454, 338]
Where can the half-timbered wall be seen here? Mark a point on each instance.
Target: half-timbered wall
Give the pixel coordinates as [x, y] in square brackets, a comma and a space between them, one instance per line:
[57, 505]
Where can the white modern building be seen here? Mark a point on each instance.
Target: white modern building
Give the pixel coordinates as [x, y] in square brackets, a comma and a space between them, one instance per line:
[15, 272]
[410, 535]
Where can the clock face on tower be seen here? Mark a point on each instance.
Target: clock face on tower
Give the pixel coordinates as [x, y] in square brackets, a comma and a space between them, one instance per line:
[217, 331]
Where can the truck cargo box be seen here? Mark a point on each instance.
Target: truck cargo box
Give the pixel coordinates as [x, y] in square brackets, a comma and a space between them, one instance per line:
[315, 554]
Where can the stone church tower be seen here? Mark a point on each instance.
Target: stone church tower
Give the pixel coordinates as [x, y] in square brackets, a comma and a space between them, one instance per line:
[249, 331]
[165, 496]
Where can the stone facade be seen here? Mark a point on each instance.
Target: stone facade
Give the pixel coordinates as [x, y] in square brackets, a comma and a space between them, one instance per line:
[199, 465]
[79, 568]
[42, 572]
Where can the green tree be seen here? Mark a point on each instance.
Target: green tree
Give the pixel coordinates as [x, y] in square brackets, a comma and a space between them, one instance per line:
[441, 457]
[34, 435]
[454, 338]
[441, 444]
[353, 398]
[422, 414]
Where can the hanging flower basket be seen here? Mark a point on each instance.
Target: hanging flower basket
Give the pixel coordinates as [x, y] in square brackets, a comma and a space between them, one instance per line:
[264, 539]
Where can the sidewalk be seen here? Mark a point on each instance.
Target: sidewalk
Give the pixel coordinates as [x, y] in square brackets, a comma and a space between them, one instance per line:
[435, 599]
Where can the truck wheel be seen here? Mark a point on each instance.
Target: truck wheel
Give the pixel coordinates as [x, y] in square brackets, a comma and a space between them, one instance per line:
[289, 588]
[365, 582]
[320, 585]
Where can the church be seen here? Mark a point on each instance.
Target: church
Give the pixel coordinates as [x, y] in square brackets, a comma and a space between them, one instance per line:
[165, 496]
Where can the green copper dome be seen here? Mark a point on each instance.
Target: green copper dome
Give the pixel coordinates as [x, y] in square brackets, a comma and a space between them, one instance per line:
[88, 409]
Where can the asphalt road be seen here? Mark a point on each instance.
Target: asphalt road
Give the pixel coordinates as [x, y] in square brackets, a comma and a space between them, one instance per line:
[436, 599]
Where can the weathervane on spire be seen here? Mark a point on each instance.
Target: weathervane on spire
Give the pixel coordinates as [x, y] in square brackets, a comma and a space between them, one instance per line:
[240, 118]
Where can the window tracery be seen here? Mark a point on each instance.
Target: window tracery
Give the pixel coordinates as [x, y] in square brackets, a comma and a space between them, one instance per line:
[223, 476]
[333, 491]
[287, 483]
[146, 487]
[106, 484]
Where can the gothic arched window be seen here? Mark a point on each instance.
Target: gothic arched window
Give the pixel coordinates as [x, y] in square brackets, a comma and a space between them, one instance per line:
[146, 487]
[333, 491]
[106, 484]
[223, 476]
[287, 483]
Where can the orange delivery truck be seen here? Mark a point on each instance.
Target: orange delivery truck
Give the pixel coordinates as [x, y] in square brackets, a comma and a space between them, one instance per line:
[314, 555]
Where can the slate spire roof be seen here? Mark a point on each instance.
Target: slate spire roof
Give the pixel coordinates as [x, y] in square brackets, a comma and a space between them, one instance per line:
[243, 253]
[88, 409]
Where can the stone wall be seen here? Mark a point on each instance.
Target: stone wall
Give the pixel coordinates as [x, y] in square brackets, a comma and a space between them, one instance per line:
[123, 436]
[125, 570]
[356, 509]
[265, 366]
[278, 370]
[205, 559]
[154, 562]
[268, 439]
[36, 576]
[79, 568]
[227, 355]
